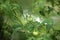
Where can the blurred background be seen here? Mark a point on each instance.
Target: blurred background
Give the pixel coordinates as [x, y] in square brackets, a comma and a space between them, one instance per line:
[29, 19]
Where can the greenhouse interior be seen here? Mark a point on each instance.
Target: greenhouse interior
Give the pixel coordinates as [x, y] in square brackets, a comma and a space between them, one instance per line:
[29, 19]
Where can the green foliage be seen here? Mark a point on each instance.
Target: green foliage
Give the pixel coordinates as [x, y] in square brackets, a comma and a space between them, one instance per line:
[30, 19]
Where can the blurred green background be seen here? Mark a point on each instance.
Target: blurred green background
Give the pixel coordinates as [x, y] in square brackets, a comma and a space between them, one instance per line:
[29, 19]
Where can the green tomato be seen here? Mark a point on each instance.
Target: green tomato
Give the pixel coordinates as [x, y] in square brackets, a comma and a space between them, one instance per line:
[35, 33]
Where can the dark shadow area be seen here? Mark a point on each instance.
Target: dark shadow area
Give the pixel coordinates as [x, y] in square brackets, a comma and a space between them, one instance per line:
[1, 24]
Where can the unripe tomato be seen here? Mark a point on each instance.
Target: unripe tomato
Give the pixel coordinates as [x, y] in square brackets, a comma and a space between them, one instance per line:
[35, 33]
